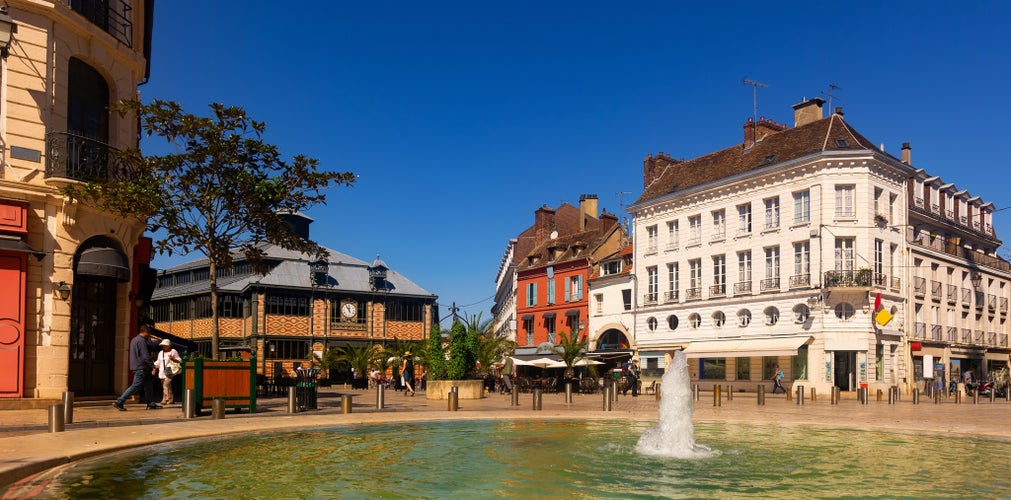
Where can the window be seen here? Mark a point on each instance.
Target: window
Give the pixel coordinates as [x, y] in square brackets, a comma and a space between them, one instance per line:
[744, 317]
[672, 281]
[719, 319]
[771, 315]
[879, 201]
[772, 262]
[626, 299]
[844, 254]
[798, 363]
[230, 306]
[652, 284]
[531, 294]
[651, 324]
[288, 349]
[598, 299]
[672, 235]
[801, 313]
[769, 364]
[287, 305]
[891, 207]
[771, 213]
[743, 368]
[528, 326]
[802, 259]
[695, 230]
[574, 292]
[844, 201]
[695, 273]
[202, 307]
[719, 224]
[844, 311]
[405, 310]
[719, 275]
[651, 237]
[612, 267]
[87, 102]
[879, 261]
[694, 320]
[549, 325]
[802, 206]
[551, 291]
[672, 322]
[744, 219]
[744, 268]
[713, 368]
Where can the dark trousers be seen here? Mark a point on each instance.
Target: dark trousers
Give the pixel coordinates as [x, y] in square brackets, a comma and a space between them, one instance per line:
[633, 383]
[777, 385]
[140, 383]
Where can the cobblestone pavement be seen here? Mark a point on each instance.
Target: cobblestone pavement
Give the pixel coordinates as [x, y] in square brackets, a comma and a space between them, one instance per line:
[26, 446]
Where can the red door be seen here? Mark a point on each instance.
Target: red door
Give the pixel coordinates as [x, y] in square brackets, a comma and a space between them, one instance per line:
[13, 270]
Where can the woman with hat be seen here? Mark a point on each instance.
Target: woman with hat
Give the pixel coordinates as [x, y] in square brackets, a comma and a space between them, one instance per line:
[408, 374]
[165, 366]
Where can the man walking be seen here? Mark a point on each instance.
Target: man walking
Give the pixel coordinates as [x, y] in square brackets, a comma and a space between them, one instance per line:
[142, 367]
[632, 377]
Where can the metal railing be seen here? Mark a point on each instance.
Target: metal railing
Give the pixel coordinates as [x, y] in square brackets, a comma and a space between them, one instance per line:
[966, 297]
[670, 296]
[862, 277]
[742, 287]
[919, 330]
[966, 335]
[952, 294]
[935, 291]
[718, 290]
[770, 284]
[112, 16]
[952, 334]
[800, 281]
[693, 293]
[919, 285]
[73, 156]
[649, 299]
[935, 332]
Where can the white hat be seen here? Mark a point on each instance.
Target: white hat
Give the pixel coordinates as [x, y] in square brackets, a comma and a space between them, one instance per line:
[166, 342]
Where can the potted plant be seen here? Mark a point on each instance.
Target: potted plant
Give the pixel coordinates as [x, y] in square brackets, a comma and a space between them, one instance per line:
[880, 220]
[460, 364]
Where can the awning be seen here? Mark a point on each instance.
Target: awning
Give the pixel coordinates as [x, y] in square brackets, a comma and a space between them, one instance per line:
[549, 315]
[572, 312]
[14, 244]
[527, 317]
[106, 262]
[782, 346]
[845, 344]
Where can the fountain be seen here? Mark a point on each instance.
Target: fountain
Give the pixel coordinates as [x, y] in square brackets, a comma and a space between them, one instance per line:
[674, 434]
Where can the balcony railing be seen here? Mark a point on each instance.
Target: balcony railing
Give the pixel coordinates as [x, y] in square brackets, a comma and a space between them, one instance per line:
[991, 339]
[952, 294]
[919, 285]
[966, 297]
[718, 290]
[770, 284]
[73, 156]
[649, 299]
[980, 298]
[112, 16]
[693, 240]
[670, 296]
[742, 287]
[978, 336]
[935, 291]
[848, 278]
[920, 331]
[896, 283]
[1003, 305]
[1002, 340]
[693, 293]
[952, 335]
[800, 281]
[966, 336]
[935, 333]
[940, 245]
[991, 302]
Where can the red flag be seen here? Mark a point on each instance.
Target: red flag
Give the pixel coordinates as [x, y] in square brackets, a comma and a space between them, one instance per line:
[877, 302]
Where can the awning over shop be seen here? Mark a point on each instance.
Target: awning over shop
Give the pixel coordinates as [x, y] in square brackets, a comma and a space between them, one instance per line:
[106, 262]
[549, 315]
[783, 346]
[572, 312]
[14, 244]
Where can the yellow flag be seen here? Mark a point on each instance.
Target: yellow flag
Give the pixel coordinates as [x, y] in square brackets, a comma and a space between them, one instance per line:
[883, 317]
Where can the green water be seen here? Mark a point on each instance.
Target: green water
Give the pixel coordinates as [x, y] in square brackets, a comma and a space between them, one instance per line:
[544, 459]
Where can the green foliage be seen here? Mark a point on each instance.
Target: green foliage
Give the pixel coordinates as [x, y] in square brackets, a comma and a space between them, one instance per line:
[435, 355]
[361, 358]
[491, 348]
[221, 191]
[570, 348]
[458, 367]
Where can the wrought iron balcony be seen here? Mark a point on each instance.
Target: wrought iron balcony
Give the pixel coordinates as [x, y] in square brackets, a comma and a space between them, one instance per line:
[112, 16]
[800, 281]
[718, 290]
[769, 284]
[671, 296]
[742, 287]
[860, 278]
[73, 156]
[693, 293]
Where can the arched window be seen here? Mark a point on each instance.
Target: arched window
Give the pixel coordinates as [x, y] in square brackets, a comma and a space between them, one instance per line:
[800, 313]
[844, 311]
[744, 317]
[87, 102]
[719, 319]
[672, 322]
[651, 323]
[771, 315]
[694, 320]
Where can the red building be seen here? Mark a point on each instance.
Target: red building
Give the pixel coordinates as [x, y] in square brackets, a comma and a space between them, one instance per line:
[551, 296]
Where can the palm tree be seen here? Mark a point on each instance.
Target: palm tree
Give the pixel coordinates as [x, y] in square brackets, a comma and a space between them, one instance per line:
[570, 348]
[361, 358]
[492, 348]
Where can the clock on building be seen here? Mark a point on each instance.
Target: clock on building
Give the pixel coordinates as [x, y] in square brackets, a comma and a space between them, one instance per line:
[349, 310]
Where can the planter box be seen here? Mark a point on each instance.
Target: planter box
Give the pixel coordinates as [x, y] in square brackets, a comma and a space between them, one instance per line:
[233, 381]
[467, 389]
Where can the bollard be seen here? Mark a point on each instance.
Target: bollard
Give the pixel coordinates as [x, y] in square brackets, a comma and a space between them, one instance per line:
[992, 391]
[452, 401]
[69, 407]
[695, 392]
[380, 397]
[717, 397]
[916, 396]
[789, 396]
[189, 403]
[656, 391]
[881, 395]
[345, 403]
[615, 389]
[937, 397]
[898, 394]
[538, 395]
[568, 393]
[891, 395]
[607, 397]
[800, 395]
[958, 397]
[292, 406]
[975, 397]
[814, 395]
[218, 409]
[761, 395]
[730, 393]
[515, 396]
[56, 423]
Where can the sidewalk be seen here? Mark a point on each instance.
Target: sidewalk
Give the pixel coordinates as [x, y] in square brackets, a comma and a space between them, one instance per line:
[27, 447]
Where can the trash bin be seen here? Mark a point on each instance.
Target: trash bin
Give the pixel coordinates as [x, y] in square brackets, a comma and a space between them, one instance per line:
[306, 389]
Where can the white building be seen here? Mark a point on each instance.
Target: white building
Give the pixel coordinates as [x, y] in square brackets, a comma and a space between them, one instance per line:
[776, 251]
[611, 316]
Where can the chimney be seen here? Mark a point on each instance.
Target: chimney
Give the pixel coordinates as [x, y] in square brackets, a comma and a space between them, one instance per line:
[756, 132]
[807, 111]
[587, 208]
[838, 110]
[653, 167]
[607, 221]
[544, 223]
[907, 153]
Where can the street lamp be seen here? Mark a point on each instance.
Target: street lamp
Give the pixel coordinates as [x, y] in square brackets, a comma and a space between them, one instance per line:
[7, 29]
[976, 279]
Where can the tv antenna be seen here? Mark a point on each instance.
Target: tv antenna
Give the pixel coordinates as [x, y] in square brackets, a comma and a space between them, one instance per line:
[832, 87]
[621, 206]
[755, 84]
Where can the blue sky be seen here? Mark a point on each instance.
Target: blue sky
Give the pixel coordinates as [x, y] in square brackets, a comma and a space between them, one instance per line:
[462, 118]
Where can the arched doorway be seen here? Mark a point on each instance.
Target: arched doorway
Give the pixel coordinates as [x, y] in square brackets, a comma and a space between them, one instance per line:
[99, 266]
[612, 339]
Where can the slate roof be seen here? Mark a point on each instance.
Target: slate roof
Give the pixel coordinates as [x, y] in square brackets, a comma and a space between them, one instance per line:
[816, 137]
[291, 270]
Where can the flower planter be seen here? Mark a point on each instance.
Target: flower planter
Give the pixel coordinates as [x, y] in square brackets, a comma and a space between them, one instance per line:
[233, 381]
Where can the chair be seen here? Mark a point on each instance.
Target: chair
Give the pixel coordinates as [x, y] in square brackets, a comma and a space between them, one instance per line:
[651, 388]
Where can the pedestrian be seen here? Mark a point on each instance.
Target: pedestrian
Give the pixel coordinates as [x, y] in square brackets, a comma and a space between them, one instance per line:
[408, 373]
[777, 380]
[141, 366]
[967, 379]
[632, 377]
[166, 366]
[507, 373]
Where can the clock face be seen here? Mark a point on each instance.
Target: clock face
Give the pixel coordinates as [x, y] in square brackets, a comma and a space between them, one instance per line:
[349, 310]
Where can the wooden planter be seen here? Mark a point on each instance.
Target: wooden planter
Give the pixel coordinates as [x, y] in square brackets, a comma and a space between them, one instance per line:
[467, 389]
[233, 381]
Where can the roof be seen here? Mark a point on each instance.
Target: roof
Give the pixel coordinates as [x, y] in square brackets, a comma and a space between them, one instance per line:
[346, 274]
[827, 134]
[579, 245]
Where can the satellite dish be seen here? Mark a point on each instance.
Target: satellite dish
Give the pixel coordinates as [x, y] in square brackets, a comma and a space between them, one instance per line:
[553, 235]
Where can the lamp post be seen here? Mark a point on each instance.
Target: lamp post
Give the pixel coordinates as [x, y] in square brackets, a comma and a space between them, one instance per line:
[7, 29]
[976, 279]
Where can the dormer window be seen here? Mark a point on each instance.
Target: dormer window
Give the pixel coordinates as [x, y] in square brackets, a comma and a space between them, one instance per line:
[842, 143]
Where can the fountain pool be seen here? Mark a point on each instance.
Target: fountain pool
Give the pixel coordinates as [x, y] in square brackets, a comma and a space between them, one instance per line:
[523, 459]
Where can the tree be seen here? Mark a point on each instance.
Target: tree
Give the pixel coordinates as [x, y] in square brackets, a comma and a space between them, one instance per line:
[459, 365]
[361, 358]
[221, 192]
[435, 355]
[491, 348]
[570, 348]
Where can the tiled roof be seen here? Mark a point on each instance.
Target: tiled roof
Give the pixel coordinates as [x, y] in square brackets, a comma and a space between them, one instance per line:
[579, 245]
[815, 137]
[566, 222]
